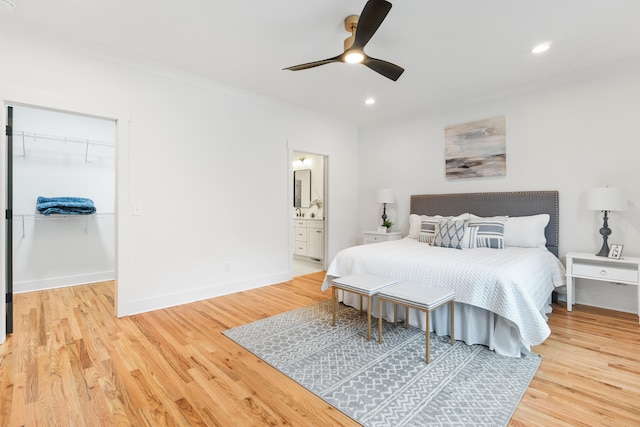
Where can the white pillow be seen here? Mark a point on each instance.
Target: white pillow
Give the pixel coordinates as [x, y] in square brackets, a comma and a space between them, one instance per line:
[414, 226]
[526, 231]
[469, 239]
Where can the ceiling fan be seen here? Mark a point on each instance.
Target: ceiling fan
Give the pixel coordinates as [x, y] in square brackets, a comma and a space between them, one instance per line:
[362, 28]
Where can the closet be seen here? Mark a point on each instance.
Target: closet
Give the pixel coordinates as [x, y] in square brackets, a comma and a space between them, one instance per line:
[57, 154]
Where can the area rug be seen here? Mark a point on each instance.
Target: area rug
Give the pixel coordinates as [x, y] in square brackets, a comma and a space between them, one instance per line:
[389, 384]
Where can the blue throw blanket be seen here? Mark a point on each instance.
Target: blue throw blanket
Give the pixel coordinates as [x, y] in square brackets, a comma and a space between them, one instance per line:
[65, 206]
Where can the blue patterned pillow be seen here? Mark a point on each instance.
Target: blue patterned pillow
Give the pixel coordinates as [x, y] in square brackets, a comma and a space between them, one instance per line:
[490, 231]
[449, 233]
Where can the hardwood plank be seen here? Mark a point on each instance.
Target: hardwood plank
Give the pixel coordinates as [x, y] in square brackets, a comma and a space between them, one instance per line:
[71, 362]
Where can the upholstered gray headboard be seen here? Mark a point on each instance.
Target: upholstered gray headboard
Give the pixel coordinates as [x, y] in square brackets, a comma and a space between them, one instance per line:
[518, 203]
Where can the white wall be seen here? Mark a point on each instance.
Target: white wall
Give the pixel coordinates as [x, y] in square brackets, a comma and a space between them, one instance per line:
[208, 165]
[63, 250]
[568, 135]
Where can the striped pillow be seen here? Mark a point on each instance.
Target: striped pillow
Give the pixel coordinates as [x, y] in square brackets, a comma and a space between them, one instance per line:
[423, 227]
[428, 228]
[490, 232]
[450, 233]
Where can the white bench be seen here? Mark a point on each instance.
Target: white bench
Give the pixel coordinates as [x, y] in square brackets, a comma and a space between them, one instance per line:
[420, 297]
[360, 284]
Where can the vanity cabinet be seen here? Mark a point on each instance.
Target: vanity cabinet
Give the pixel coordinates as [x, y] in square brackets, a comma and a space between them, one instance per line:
[308, 235]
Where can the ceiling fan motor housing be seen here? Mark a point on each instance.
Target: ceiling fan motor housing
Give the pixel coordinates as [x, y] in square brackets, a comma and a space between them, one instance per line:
[350, 24]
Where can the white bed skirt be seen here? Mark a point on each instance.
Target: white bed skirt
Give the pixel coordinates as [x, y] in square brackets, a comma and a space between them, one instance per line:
[473, 325]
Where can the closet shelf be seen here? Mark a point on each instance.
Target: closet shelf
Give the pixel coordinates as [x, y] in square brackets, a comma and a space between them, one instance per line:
[58, 217]
[38, 136]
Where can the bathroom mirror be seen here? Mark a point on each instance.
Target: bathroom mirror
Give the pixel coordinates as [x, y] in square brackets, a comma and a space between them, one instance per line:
[302, 188]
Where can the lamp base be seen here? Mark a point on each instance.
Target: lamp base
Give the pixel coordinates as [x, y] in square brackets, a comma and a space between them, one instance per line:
[604, 250]
[605, 232]
[384, 212]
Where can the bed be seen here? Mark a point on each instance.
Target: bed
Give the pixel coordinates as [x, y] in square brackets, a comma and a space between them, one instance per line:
[503, 285]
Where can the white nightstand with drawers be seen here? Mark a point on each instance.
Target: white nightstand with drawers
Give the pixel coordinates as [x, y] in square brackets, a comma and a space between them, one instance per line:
[375, 237]
[588, 266]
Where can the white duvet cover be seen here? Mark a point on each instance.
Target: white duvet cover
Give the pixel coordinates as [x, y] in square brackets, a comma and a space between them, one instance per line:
[514, 283]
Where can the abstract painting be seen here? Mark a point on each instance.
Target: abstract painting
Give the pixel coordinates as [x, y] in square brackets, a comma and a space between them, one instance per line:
[476, 149]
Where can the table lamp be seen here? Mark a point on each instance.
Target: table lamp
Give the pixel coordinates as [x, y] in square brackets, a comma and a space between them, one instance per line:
[606, 199]
[385, 195]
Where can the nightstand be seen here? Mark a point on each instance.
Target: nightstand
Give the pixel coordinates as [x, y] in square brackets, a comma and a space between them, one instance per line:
[588, 266]
[375, 237]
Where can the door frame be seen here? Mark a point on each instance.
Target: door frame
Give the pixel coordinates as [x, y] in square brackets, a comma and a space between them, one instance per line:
[325, 202]
[122, 118]
[8, 240]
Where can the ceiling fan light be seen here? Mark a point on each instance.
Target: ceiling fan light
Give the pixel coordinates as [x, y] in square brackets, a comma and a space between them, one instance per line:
[541, 48]
[354, 57]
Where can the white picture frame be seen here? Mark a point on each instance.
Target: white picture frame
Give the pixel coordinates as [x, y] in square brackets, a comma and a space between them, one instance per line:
[615, 251]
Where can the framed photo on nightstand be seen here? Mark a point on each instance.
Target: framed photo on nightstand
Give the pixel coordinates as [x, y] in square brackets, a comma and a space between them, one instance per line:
[615, 251]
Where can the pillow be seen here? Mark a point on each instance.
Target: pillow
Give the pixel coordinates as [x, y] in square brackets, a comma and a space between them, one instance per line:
[469, 239]
[449, 233]
[414, 226]
[428, 228]
[490, 232]
[422, 227]
[526, 231]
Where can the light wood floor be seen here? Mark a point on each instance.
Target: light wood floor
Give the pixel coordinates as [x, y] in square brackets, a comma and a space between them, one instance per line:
[71, 362]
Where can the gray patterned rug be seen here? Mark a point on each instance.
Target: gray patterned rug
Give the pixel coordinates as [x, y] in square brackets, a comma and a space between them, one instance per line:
[389, 384]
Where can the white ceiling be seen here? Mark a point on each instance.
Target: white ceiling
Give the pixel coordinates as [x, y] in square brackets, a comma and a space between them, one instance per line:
[452, 50]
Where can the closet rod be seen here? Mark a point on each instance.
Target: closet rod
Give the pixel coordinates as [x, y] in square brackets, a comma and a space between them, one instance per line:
[64, 139]
[34, 135]
[85, 142]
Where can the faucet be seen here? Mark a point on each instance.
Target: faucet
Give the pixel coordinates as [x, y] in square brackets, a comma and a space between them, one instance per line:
[298, 212]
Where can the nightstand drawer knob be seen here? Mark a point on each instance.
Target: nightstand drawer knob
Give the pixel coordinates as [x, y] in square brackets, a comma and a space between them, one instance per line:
[603, 272]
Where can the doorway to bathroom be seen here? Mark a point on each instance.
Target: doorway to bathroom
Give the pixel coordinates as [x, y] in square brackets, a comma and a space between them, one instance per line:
[309, 213]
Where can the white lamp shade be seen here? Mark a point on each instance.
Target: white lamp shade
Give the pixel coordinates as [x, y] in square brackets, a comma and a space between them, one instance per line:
[607, 199]
[385, 195]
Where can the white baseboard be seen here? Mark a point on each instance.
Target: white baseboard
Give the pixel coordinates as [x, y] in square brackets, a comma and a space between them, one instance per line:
[215, 290]
[61, 282]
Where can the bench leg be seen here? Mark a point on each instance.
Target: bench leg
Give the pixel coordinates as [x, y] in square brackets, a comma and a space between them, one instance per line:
[395, 314]
[427, 337]
[379, 320]
[333, 306]
[406, 317]
[368, 318]
[451, 311]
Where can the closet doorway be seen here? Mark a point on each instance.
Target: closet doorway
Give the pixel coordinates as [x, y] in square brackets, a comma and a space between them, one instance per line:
[309, 213]
[61, 174]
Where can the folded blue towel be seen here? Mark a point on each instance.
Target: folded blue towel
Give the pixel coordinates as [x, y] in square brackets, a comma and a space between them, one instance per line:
[65, 206]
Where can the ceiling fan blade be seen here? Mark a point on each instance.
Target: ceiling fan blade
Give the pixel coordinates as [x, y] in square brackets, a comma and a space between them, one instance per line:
[314, 64]
[370, 19]
[387, 69]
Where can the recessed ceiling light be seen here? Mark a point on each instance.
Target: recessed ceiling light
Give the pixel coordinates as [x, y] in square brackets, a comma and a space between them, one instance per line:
[370, 101]
[541, 48]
